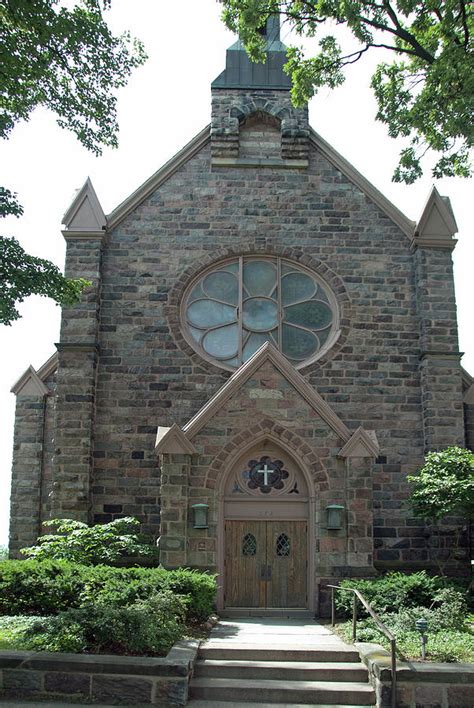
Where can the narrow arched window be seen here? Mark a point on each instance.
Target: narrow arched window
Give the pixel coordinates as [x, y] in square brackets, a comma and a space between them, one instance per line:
[249, 545]
[283, 545]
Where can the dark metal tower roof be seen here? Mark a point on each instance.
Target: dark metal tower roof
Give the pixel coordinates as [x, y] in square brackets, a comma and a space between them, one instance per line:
[240, 72]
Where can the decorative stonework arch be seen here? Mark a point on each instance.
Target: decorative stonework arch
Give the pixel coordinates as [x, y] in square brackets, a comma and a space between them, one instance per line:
[334, 282]
[302, 459]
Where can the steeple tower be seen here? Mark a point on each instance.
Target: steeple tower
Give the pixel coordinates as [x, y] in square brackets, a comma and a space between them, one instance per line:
[253, 119]
[240, 72]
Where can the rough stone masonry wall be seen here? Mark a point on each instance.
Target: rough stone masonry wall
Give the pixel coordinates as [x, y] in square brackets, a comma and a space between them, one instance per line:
[145, 379]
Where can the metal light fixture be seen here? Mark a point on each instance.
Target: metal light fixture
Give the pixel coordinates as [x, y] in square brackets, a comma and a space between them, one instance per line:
[422, 628]
[334, 516]
[200, 514]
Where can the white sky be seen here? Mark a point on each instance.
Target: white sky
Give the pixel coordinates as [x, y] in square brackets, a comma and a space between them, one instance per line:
[165, 104]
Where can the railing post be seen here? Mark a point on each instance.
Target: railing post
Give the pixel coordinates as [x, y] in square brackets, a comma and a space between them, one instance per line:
[354, 618]
[394, 673]
[333, 609]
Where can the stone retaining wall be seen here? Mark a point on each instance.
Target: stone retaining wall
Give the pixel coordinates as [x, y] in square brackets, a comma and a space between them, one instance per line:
[90, 678]
[419, 685]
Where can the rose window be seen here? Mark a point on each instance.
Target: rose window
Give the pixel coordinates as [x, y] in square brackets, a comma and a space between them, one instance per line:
[235, 307]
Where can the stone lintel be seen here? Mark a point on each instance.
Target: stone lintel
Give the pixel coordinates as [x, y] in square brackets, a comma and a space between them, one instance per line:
[84, 235]
[274, 163]
[77, 347]
[457, 356]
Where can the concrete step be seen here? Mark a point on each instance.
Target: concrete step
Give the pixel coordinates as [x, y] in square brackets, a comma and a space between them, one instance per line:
[233, 704]
[242, 652]
[283, 670]
[242, 612]
[306, 692]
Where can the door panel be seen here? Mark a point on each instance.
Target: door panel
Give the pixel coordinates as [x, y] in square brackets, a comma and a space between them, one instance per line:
[265, 563]
[286, 554]
[245, 552]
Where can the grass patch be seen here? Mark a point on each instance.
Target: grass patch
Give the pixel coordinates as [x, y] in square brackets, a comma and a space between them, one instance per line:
[12, 631]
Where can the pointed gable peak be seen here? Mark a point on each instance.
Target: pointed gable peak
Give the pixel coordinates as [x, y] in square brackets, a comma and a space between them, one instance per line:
[363, 443]
[437, 224]
[29, 384]
[173, 441]
[85, 212]
[267, 353]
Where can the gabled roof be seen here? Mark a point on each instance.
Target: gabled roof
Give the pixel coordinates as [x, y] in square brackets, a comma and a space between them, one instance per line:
[48, 367]
[349, 171]
[173, 440]
[29, 384]
[267, 352]
[158, 178]
[203, 138]
[85, 213]
[437, 224]
[363, 443]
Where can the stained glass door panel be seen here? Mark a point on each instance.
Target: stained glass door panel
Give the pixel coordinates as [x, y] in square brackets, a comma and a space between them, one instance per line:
[265, 564]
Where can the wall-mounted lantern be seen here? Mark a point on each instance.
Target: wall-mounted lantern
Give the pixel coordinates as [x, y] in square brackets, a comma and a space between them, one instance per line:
[200, 513]
[334, 516]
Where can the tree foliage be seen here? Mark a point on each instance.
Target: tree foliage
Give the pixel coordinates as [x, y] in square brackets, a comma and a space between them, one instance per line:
[444, 485]
[424, 91]
[91, 545]
[64, 58]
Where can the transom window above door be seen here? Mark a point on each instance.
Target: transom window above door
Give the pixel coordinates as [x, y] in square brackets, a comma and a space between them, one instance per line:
[235, 307]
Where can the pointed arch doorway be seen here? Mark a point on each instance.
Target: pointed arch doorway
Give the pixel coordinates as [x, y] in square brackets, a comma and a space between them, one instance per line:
[267, 531]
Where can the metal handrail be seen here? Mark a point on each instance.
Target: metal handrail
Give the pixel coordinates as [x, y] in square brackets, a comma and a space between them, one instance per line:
[393, 645]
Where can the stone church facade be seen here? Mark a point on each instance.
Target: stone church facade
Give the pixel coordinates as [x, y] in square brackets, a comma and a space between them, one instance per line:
[265, 335]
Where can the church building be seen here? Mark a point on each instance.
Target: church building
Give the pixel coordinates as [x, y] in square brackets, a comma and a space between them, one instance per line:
[268, 348]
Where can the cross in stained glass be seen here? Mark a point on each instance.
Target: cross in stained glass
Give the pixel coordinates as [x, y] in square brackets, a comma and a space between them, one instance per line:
[266, 471]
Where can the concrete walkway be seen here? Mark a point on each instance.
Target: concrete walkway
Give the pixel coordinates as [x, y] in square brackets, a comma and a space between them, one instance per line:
[274, 633]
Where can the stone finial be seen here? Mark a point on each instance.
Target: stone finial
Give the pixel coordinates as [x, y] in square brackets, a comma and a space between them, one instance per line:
[437, 224]
[85, 214]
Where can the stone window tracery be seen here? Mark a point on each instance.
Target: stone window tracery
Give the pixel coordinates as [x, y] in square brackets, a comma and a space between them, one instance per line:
[238, 305]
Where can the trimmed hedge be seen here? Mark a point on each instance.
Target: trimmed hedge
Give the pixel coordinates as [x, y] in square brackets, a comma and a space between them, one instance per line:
[49, 587]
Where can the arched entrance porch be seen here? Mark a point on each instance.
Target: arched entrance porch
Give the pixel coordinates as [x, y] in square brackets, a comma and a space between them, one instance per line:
[266, 529]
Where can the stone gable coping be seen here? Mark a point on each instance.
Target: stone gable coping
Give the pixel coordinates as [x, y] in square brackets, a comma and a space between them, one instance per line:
[344, 166]
[48, 367]
[30, 384]
[267, 352]
[85, 213]
[363, 443]
[437, 224]
[158, 178]
[173, 441]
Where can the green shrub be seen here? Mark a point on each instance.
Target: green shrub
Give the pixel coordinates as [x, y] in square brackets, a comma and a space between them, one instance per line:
[3, 553]
[148, 627]
[391, 592]
[38, 588]
[49, 587]
[91, 545]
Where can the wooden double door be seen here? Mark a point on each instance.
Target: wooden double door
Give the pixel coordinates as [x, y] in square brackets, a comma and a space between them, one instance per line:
[265, 564]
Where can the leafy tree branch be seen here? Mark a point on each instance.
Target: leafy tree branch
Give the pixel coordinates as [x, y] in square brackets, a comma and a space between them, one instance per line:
[425, 92]
[66, 59]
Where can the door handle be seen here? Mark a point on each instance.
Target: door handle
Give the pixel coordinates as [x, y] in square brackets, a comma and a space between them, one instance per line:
[269, 572]
[266, 572]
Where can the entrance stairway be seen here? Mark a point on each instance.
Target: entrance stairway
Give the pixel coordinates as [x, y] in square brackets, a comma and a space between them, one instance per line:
[280, 662]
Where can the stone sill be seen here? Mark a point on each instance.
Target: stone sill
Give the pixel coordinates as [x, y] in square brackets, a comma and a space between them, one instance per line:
[272, 162]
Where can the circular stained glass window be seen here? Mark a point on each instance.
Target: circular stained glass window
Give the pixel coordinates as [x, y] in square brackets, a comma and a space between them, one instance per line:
[235, 307]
